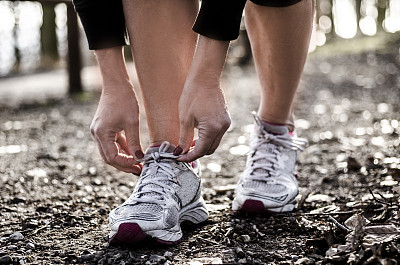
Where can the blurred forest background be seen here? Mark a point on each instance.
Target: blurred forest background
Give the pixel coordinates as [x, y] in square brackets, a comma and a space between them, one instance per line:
[40, 36]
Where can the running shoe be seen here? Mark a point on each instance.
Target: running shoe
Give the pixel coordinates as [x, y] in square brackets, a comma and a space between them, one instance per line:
[168, 192]
[268, 183]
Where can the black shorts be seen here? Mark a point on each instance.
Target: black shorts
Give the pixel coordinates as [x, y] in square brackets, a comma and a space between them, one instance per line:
[275, 3]
[220, 19]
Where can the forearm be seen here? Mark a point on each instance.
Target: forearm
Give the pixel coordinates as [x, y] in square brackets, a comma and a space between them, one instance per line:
[113, 68]
[209, 60]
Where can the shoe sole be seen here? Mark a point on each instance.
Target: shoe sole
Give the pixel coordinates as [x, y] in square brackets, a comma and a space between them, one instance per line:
[257, 207]
[131, 233]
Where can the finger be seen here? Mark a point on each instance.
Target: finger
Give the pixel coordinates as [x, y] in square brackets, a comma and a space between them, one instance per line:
[136, 170]
[203, 144]
[185, 139]
[121, 140]
[133, 142]
[123, 159]
[193, 144]
[113, 157]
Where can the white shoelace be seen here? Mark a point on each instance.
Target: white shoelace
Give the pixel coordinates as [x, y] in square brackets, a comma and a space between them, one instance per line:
[263, 141]
[152, 189]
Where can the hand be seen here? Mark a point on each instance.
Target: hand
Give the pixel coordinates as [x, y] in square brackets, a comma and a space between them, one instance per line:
[202, 106]
[115, 128]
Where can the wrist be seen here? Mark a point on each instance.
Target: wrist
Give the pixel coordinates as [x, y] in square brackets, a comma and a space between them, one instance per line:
[113, 69]
[209, 60]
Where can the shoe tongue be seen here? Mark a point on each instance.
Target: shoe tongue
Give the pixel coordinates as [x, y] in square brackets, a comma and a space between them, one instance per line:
[275, 128]
[269, 148]
[165, 147]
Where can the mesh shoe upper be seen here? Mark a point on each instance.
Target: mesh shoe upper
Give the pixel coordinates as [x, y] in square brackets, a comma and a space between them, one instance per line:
[164, 188]
[270, 169]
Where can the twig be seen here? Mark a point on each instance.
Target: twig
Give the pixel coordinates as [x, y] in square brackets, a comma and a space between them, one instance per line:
[339, 224]
[328, 214]
[41, 228]
[209, 241]
[376, 199]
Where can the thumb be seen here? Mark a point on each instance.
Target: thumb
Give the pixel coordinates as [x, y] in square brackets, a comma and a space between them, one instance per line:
[185, 139]
[133, 142]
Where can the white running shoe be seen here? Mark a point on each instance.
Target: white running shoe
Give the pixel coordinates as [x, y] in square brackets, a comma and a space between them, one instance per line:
[168, 192]
[268, 183]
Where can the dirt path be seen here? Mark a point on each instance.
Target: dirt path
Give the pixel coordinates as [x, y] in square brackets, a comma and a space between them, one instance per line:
[56, 192]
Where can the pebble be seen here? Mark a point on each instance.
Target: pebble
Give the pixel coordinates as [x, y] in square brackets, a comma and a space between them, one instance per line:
[242, 261]
[303, 261]
[295, 257]
[30, 245]
[12, 247]
[156, 259]
[245, 238]
[239, 252]
[5, 260]
[99, 254]
[17, 236]
[168, 254]
[353, 164]
[87, 257]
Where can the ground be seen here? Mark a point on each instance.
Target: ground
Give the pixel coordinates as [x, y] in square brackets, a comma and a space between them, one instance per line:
[56, 193]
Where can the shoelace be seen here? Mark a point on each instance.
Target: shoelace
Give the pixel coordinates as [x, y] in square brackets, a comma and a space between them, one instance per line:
[151, 185]
[264, 139]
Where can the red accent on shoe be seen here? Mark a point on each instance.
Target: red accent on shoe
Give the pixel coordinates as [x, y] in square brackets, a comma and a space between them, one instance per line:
[128, 233]
[131, 233]
[253, 206]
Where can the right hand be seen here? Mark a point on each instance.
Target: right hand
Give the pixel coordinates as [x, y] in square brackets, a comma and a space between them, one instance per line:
[115, 127]
[202, 106]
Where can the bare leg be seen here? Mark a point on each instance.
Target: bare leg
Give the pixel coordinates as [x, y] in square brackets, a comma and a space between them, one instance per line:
[279, 40]
[163, 44]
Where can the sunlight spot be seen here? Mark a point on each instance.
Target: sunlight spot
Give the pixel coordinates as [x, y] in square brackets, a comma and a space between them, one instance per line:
[214, 167]
[383, 108]
[368, 26]
[344, 13]
[239, 150]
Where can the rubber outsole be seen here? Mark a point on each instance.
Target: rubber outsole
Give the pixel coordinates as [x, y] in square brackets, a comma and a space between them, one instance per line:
[256, 207]
[131, 234]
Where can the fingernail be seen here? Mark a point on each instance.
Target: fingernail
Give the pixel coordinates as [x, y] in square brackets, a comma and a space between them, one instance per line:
[178, 150]
[139, 154]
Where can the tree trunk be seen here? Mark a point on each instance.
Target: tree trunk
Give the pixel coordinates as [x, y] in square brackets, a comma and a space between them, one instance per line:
[48, 36]
[74, 53]
[332, 35]
[358, 17]
[17, 52]
[381, 5]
